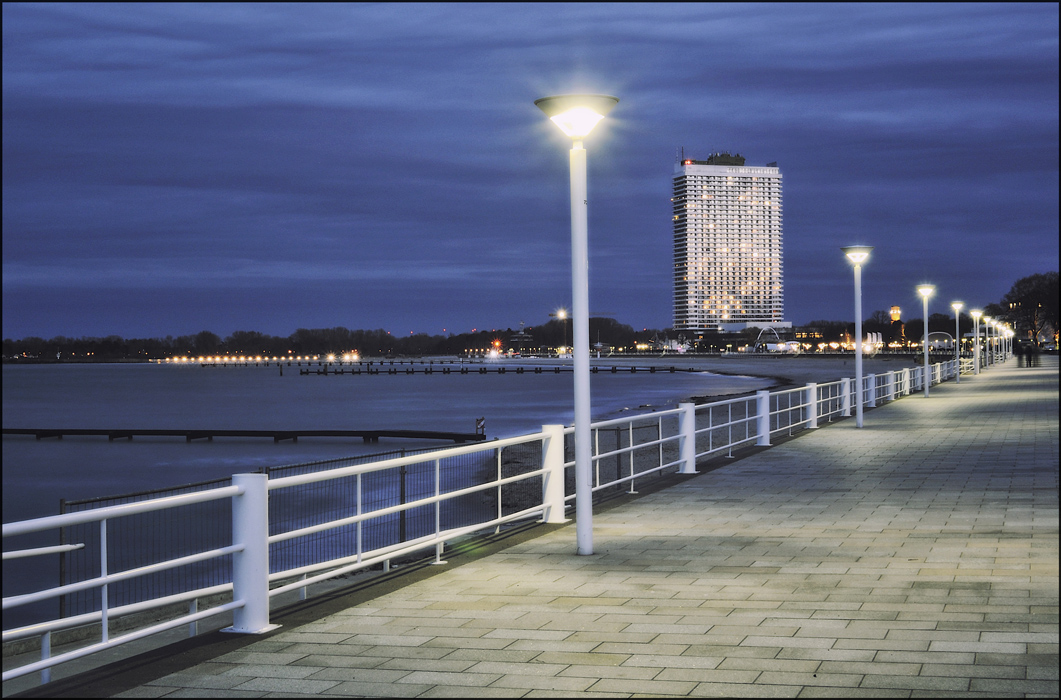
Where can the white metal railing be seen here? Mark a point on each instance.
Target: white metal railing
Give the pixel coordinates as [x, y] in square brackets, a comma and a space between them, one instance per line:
[640, 445]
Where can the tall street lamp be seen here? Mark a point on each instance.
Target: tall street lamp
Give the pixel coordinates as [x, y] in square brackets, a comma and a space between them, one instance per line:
[989, 358]
[976, 314]
[858, 254]
[957, 306]
[926, 290]
[576, 115]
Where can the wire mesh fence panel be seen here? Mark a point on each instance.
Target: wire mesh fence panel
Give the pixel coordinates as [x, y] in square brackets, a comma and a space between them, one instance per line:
[526, 493]
[142, 539]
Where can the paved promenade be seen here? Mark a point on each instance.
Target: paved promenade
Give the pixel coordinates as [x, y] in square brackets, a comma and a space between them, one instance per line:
[915, 557]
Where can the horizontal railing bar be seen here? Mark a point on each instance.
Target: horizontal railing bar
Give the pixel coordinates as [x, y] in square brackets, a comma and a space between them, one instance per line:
[117, 641]
[119, 511]
[390, 510]
[717, 426]
[728, 445]
[650, 419]
[39, 551]
[637, 475]
[638, 446]
[385, 553]
[112, 613]
[300, 479]
[28, 598]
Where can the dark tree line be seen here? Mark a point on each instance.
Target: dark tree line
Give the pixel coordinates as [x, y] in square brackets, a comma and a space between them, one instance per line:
[314, 341]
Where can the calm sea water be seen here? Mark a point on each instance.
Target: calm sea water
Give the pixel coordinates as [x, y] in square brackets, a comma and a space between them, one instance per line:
[37, 474]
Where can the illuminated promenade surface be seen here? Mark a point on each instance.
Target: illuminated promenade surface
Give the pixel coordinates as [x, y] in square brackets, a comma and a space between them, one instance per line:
[915, 557]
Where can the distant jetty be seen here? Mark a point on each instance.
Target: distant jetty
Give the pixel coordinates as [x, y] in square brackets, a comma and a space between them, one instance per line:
[276, 435]
[480, 369]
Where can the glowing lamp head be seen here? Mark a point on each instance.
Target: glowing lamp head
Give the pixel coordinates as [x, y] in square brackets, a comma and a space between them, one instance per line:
[976, 313]
[576, 115]
[957, 306]
[926, 290]
[857, 254]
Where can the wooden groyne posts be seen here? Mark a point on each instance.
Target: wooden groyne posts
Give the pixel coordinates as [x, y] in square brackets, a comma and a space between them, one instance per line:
[276, 435]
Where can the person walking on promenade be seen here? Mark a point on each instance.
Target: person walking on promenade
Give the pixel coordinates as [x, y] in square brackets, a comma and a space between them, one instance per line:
[1018, 350]
[1032, 358]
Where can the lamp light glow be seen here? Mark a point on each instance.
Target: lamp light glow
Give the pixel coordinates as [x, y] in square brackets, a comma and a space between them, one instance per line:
[576, 115]
[857, 253]
[926, 290]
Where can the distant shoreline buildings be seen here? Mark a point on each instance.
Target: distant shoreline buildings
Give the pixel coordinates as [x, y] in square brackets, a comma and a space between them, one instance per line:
[728, 253]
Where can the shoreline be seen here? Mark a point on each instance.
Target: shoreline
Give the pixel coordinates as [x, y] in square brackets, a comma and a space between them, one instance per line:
[781, 371]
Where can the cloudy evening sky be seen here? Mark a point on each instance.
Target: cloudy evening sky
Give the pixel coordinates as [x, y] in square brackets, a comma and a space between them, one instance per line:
[174, 168]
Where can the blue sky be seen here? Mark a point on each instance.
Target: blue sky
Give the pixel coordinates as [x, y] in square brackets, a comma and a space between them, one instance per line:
[174, 168]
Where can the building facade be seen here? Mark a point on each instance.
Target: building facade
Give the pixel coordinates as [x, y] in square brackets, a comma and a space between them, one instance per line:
[728, 266]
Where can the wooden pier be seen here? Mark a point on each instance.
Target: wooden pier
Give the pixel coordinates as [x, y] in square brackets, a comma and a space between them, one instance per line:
[382, 370]
[276, 435]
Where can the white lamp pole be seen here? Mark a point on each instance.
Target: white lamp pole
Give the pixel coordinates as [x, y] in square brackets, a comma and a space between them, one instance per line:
[926, 291]
[976, 314]
[576, 115]
[858, 254]
[988, 358]
[957, 306]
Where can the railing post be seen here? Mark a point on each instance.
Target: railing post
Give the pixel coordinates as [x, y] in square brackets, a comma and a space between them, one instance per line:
[250, 567]
[762, 410]
[812, 405]
[687, 441]
[905, 388]
[553, 479]
[845, 397]
[872, 380]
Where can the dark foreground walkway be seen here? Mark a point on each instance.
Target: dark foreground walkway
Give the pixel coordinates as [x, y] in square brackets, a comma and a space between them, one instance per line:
[917, 556]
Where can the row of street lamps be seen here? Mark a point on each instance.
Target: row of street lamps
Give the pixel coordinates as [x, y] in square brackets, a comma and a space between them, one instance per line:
[576, 115]
[858, 254]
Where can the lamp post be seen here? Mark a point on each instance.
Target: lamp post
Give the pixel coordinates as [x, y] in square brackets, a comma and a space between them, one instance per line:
[576, 115]
[957, 306]
[562, 315]
[926, 290]
[858, 254]
[988, 357]
[976, 314]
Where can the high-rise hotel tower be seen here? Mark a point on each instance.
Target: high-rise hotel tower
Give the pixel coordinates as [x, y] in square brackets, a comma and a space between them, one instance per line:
[727, 245]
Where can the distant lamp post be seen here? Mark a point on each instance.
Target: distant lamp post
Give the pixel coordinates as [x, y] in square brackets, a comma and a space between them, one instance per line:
[858, 254]
[976, 314]
[926, 290]
[576, 115]
[957, 306]
[562, 315]
[989, 358]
